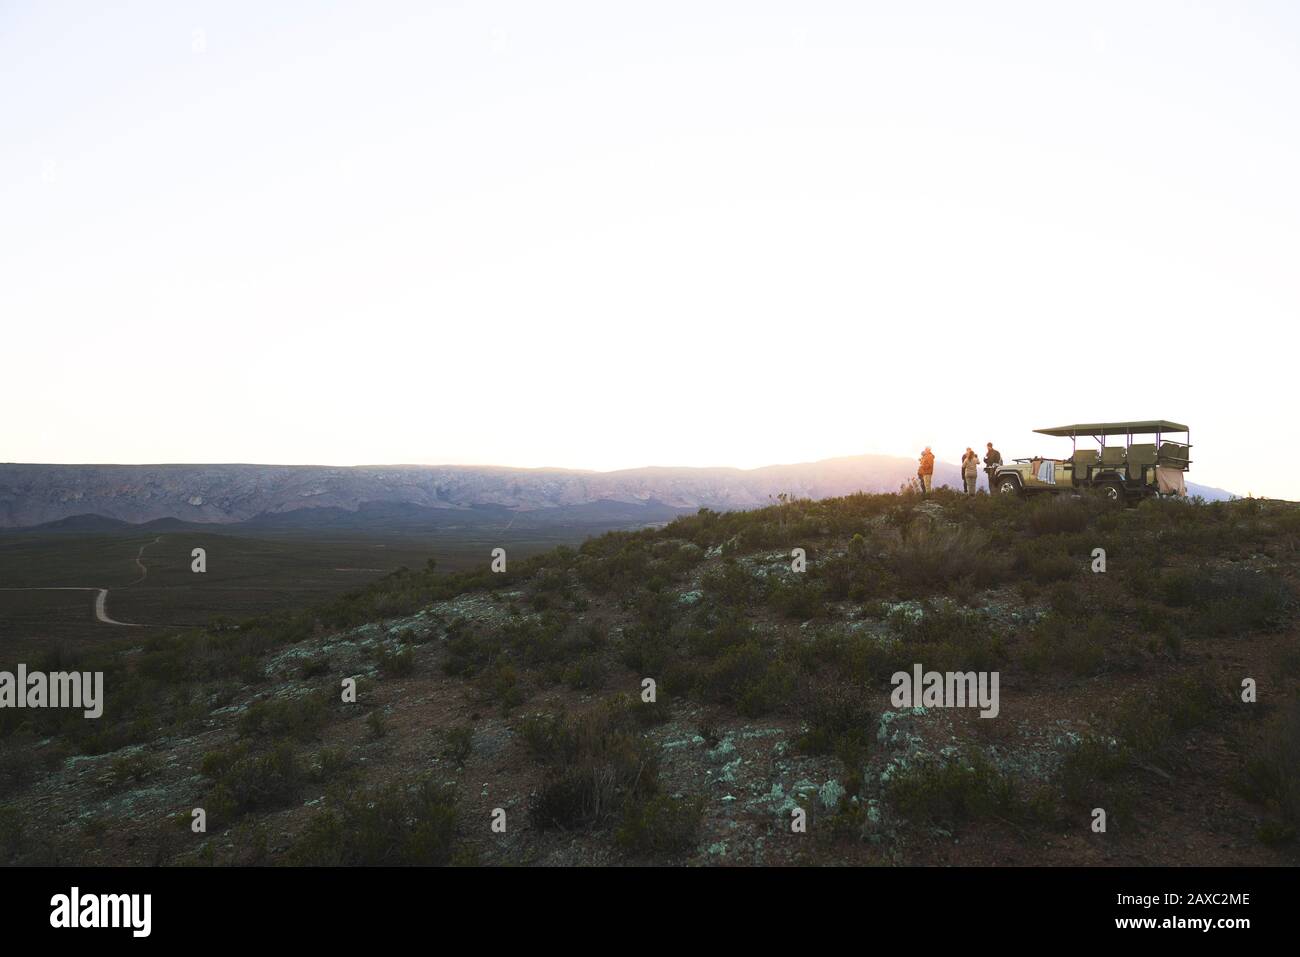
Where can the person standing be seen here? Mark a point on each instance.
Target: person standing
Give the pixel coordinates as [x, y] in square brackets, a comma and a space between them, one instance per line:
[970, 470]
[992, 461]
[926, 471]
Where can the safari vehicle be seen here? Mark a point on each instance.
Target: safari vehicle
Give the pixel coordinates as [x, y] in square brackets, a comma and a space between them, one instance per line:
[1124, 471]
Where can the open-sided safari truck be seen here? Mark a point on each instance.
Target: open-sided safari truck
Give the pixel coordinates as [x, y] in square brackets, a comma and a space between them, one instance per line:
[1124, 471]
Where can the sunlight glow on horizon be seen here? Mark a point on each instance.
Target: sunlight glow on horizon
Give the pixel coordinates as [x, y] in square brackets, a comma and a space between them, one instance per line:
[590, 236]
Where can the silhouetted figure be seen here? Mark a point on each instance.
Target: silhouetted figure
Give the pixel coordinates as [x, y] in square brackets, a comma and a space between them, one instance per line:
[992, 460]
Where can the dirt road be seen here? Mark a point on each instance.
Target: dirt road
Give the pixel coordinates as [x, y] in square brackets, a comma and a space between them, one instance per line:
[101, 597]
[139, 561]
[101, 601]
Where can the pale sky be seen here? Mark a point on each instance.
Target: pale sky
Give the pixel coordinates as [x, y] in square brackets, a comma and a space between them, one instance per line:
[615, 234]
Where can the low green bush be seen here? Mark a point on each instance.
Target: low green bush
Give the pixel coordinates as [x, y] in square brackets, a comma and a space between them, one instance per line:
[396, 826]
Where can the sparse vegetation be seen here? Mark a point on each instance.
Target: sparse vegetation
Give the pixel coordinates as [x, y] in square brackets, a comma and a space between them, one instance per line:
[598, 764]
[399, 825]
[460, 744]
[244, 780]
[660, 825]
[1272, 774]
[758, 668]
[964, 787]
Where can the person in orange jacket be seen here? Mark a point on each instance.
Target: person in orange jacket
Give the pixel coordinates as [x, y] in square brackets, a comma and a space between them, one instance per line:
[926, 472]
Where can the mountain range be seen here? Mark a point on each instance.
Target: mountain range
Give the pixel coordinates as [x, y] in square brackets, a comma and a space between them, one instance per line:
[311, 495]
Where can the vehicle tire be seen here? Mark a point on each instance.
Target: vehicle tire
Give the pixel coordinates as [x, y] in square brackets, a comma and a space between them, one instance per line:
[1112, 491]
[1008, 485]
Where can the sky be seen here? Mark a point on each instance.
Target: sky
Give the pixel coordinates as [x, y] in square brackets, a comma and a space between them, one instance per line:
[608, 235]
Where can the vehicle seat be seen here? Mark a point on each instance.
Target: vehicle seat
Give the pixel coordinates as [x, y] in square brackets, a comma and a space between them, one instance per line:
[1172, 453]
[1083, 460]
[1112, 455]
[1140, 455]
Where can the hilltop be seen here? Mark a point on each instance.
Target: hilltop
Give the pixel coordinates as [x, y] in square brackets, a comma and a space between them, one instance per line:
[331, 497]
[523, 691]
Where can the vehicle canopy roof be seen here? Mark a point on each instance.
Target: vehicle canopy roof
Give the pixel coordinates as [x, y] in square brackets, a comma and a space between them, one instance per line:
[1145, 426]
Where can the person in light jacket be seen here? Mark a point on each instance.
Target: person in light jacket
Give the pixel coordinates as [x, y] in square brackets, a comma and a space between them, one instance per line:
[970, 470]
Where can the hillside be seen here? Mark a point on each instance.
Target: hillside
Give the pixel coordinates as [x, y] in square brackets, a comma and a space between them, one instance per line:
[33, 495]
[523, 691]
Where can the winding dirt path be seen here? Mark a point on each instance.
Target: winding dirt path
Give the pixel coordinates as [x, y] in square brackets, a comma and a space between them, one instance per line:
[139, 556]
[101, 596]
[101, 601]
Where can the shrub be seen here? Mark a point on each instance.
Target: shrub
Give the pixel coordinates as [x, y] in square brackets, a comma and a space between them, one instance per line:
[1272, 772]
[12, 833]
[650, 714]
[849, 821]
[1076, 646]
[749, 679]
[644, 652]
[315, 667]
[467, 652]
[393, 827]
[460, 744]
[936, 621]
[944, 637]
[933, 557]
[18, 763]
[246, 781]
[541, 640]
[589, 792]
[731, 584]
[547, 736]
[501, 684]
[852, 656]
[587, 673]
[961, 789]
[1059, 515]
[395, 664]
[835, 710]
[1150, 723]
[1226, 601]
[838, 574]
[599, 763]
[800, 599]
[718, 636]
[1093, 774]
[333, 765]
[130, 769]
[655, 610]
[300, 718]
[1053, 568]
[1064, 598]
[660, 825]
[613, 562]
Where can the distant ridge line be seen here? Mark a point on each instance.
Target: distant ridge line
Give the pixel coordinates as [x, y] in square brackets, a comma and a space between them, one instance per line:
[209, 495]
